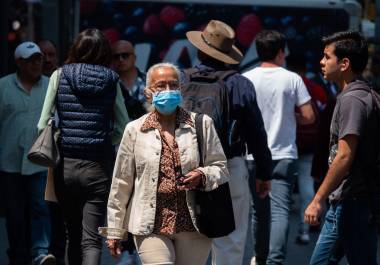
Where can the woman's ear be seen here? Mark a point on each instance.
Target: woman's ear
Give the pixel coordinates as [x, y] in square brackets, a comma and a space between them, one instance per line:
[148, 93]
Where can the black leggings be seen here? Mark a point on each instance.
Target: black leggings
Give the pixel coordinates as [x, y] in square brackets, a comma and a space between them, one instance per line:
[82, 189]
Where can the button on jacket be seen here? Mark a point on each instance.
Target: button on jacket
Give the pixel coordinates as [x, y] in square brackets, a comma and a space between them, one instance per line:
[132, 200]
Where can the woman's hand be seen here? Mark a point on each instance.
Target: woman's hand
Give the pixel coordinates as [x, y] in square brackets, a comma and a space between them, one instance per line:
[114, 247]
[192, 180]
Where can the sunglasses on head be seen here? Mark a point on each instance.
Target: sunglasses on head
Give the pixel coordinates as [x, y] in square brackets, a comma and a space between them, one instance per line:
[123, 55]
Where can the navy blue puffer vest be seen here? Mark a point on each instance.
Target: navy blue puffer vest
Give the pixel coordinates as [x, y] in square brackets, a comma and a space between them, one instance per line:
[85, 101]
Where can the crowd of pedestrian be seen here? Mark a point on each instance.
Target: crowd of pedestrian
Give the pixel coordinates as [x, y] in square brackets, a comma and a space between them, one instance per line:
[138, 152]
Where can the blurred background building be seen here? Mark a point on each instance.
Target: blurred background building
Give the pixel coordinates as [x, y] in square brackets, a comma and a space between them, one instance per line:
[157, 28]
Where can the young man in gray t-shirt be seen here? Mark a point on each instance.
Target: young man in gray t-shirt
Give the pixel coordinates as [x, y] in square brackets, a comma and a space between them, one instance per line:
[350, 184]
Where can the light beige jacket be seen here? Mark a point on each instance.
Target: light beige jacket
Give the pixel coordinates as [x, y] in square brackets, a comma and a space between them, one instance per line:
[132, 199]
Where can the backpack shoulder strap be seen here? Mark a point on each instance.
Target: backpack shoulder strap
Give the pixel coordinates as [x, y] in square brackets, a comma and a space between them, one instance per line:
[223, 75]
[189, 72]
[376, 100]
[375, 94]
[199, 131]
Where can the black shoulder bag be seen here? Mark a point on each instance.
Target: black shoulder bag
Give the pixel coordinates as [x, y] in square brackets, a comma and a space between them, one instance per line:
[216, 216]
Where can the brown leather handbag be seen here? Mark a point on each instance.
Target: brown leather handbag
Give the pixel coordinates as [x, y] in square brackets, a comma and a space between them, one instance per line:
[44, 151]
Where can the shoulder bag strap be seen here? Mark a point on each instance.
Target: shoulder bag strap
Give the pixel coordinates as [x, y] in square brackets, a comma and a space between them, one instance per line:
[55, 89]
[54, 113]
[199, 130]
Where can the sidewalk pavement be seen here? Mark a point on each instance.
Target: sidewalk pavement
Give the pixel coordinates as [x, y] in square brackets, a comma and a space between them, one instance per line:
[296, 254]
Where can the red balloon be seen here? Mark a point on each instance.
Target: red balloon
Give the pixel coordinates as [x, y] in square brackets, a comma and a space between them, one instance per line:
[153, 26]
[11, 36]
[112, 34]
[171, 15]
[247, 29]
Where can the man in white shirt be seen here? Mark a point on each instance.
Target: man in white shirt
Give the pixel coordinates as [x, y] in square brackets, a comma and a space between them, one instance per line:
[278, 91]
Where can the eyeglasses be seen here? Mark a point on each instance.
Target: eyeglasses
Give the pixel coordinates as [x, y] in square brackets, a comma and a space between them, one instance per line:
[161, 86]
[122, 56]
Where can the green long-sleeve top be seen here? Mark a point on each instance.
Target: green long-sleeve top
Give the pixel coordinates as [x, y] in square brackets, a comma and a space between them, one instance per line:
[48, 109]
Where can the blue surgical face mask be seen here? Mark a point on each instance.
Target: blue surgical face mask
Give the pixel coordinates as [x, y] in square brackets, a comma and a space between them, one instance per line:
[166, 102]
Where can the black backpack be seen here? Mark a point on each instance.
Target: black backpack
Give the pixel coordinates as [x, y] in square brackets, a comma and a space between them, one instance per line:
[375, 93]
[373, 160]
[206, 92]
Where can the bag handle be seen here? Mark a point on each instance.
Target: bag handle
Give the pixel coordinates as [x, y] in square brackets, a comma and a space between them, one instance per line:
[199, 131]
[54, 113]
[55, 89]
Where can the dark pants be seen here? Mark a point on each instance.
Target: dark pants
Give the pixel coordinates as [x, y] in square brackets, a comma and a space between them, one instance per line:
[27, 216]
[58, 233]
[260, 221]
[82, 189]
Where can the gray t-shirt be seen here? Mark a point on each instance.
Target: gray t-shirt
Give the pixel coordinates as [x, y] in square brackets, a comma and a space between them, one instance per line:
[354, 115]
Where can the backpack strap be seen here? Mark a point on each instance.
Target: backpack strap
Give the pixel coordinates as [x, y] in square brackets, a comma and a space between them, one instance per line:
[223, 75]
[189, 72]
[199, 131]
[375, 99]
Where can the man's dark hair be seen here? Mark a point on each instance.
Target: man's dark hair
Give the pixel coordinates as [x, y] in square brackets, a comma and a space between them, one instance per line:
[210, 61]
[91, 47]
[269, 43]
[350, 45]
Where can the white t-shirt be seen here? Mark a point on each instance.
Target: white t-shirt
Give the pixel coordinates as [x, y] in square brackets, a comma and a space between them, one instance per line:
[278, 92]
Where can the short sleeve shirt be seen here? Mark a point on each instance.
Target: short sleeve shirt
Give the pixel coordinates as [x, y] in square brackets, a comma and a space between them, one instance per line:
[278, 92]
[353, 115]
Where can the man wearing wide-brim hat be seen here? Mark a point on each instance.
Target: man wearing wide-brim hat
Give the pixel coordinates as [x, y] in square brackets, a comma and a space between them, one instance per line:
[216, 51]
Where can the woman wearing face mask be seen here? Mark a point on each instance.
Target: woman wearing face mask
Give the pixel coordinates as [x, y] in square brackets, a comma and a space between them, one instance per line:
[155, 174]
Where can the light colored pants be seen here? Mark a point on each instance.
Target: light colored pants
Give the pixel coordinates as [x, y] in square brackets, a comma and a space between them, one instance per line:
[278, 203]
[185, 248]
[229, 250]
[305, 186]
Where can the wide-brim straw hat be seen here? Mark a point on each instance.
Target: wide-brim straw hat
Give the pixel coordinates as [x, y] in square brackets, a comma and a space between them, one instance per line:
[217, 40]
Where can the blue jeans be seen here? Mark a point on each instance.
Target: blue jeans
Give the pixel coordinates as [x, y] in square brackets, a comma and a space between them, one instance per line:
[349, 229]
[27, 216]
[305, 186]
[270, 221]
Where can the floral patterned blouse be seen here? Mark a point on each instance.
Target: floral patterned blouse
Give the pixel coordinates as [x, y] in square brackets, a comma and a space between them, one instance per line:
[172, 213]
